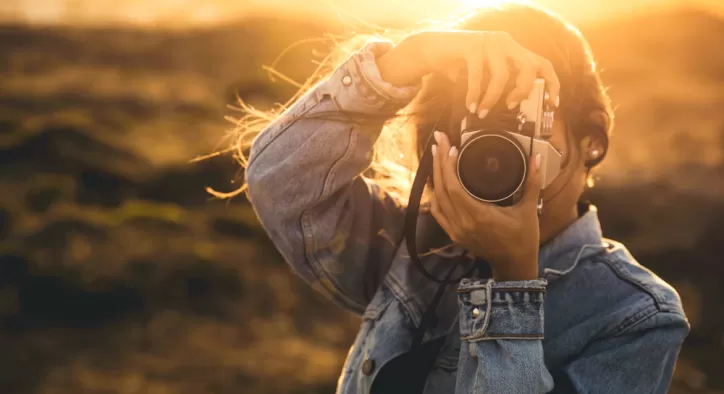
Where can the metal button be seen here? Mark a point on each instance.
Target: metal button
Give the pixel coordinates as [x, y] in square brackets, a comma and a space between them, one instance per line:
[368, 366]
[346, 80]
[476, 312]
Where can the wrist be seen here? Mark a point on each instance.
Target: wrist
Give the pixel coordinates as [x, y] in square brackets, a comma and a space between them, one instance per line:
[526, 269]
[403, 65]
[514, 276]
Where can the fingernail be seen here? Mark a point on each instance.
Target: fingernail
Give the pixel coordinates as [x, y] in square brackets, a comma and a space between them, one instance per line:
[512, 105]
[464, 124]
[473, 108]
[436, 134]
[537, 161]
[483, 113]
[434, 150]
[453, 151]
[558, 101]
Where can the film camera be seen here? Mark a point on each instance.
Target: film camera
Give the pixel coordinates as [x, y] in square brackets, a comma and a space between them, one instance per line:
[493, 161]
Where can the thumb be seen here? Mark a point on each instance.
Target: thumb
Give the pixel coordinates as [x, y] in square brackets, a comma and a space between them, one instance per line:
[533, 182]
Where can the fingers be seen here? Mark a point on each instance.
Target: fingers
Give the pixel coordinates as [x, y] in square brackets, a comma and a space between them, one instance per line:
[532, 183]
[553, 85]
[475, 62]
[464, 223]
[442, 220]
[466, 205]
[449, 174]
[440, 152]
[442, 209]
[527, 73]
[498, 49]
[499, 75]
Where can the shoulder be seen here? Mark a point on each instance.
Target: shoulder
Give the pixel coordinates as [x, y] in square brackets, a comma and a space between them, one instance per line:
[612, 293]
[620, 261]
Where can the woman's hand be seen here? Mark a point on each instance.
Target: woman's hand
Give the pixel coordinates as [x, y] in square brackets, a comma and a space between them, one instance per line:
[447, 51]
[507, 237]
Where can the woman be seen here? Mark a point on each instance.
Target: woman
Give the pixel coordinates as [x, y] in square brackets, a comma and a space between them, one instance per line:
[563, 310]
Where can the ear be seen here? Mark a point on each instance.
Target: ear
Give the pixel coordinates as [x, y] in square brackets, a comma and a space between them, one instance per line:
[591, 148]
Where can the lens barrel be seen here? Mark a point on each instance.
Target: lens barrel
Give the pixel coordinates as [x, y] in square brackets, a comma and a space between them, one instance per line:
[492, 167]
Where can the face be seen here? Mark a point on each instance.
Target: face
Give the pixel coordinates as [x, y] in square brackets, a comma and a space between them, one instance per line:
[561, 196]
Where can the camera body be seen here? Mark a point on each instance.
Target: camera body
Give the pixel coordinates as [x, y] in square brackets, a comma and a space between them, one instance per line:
[493, 161]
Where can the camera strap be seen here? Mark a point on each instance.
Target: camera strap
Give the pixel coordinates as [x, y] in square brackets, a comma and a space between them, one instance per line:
[452, 115]
[413, 210]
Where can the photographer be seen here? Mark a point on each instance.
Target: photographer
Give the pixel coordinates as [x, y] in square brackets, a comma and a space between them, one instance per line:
[542, 303]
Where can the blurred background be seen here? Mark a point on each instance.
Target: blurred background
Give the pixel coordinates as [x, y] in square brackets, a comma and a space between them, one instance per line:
[119, 273]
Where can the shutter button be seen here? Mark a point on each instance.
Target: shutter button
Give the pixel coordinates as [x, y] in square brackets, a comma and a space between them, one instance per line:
[368, 366]
[347, 80]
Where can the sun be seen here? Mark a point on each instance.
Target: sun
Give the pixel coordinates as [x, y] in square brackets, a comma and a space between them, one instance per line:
[488, 3]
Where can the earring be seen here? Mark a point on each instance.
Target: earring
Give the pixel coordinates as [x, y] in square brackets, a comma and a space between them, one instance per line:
[594, 154]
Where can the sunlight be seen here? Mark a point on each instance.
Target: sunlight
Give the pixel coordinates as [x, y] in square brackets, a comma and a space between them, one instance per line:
[571, 9]
[209, 12]
[486, 3]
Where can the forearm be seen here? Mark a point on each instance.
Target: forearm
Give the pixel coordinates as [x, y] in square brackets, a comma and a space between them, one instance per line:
[323, 141]
[404, 64]
[306, 190]
[426, 52]
[304, 182]
[298, 162]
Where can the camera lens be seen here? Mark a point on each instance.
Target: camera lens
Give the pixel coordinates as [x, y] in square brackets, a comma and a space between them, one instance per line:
[491, 166]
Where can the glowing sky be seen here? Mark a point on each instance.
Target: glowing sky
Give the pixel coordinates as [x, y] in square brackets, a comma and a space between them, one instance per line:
[186, 12]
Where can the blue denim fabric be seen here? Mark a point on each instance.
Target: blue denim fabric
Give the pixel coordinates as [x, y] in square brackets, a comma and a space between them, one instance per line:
[595, 322]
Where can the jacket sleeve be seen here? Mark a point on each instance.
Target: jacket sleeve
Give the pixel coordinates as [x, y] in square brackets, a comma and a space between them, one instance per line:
[504, 322]
[337, 230]
[639, 360]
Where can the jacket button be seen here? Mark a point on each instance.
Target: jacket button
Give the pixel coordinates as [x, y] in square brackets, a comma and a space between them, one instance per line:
[346, 80]
[476, 312]
[368, 366]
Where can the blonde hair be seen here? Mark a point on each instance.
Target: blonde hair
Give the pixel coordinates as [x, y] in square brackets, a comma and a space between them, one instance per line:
[395, 157]
[391, 168]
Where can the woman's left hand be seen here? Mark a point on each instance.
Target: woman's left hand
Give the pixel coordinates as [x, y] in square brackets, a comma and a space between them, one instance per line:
[507, 237]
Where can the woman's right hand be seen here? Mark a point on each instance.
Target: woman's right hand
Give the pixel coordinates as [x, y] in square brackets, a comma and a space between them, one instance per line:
[447, 51]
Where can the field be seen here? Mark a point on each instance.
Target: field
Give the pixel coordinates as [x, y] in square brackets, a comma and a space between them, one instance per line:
[120, 274]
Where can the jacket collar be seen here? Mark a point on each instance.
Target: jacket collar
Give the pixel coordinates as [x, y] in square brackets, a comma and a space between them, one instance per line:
[579, 240]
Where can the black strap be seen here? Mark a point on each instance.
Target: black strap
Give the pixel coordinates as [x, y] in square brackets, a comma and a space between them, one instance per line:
[452, 115]
[429, 318]
[413, 210]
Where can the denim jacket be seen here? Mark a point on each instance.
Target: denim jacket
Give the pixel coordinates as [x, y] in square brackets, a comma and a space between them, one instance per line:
[594, 322]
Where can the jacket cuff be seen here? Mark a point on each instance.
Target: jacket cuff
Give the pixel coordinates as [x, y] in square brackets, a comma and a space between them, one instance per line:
[357, 86]
[501, 310]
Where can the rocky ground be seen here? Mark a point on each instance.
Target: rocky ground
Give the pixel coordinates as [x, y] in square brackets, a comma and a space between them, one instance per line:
[119, 273]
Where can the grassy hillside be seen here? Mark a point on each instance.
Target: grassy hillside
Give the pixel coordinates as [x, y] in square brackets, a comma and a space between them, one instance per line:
[118, 273]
